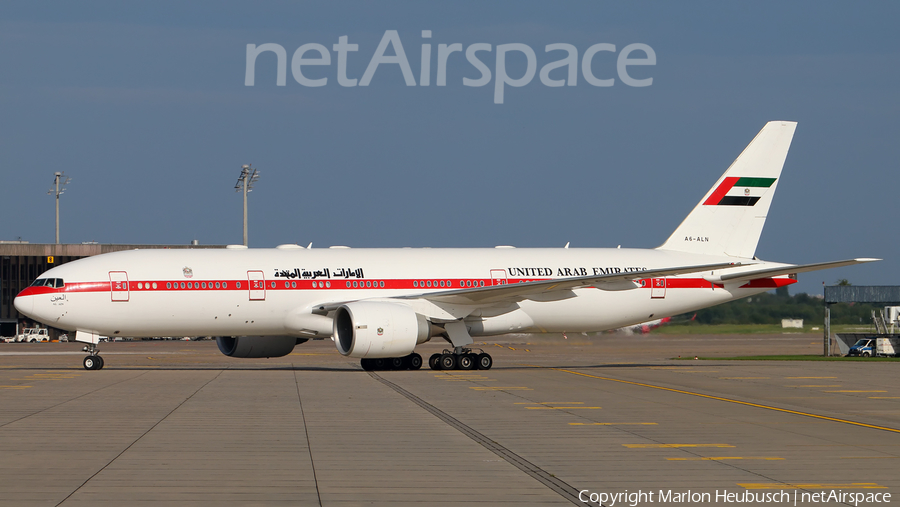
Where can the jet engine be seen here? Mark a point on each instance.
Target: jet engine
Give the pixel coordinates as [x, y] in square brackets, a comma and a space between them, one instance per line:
[257, 346]
[373, 329]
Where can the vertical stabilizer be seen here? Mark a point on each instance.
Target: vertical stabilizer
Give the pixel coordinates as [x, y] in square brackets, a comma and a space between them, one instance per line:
[730, 217]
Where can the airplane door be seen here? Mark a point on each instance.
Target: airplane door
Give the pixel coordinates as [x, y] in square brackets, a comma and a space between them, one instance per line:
[118, 285]
[498, 277]
[257, 285]
[658, 288]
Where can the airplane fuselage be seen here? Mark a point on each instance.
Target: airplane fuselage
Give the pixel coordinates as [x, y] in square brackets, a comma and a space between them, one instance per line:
[269, 292]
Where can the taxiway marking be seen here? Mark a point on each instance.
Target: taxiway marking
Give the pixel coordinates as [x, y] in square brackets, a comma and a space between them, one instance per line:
[729, 400]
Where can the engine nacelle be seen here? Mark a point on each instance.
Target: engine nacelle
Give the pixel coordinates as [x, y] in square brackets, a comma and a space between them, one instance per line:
[370, 329]
[257, 346]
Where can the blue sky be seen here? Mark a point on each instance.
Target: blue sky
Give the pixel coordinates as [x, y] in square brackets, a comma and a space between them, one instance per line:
[144, 105]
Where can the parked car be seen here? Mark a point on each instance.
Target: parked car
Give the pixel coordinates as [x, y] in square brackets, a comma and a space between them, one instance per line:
[864, 347]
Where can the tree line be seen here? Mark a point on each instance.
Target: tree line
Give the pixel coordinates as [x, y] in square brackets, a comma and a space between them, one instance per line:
[771, 307]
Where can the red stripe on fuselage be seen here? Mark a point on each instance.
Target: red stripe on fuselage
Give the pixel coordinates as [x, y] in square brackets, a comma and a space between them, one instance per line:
[396, 284]
[768, 283]
[36, 291]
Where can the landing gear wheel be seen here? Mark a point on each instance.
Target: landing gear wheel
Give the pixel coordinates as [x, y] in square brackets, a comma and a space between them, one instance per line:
[414, 361]
[466, 362]
[91, 363]
[484, 361]
[434, 362]
[99, 360]
[379, 363]
[448, 362]
[396, 363]
[366, 364]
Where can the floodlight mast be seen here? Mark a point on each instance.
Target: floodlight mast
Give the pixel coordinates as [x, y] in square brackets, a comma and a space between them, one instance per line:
[245, 183]
[57, 176]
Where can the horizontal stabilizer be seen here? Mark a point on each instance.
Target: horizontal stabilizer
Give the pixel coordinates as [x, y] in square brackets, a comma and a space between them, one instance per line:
[788, 269]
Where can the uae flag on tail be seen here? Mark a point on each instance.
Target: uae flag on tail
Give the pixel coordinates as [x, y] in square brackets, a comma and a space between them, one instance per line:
[734, 191]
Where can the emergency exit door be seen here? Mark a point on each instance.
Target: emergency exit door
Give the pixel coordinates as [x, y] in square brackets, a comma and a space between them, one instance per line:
[658, 288]
[118, 285]
[257, 283]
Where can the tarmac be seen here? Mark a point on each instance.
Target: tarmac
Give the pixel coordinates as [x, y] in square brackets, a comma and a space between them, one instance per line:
[608, 420]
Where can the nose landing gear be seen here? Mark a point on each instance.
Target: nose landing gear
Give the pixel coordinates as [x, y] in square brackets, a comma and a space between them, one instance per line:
[93, 361]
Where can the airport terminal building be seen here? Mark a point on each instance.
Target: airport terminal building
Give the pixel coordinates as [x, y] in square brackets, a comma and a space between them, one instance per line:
[22, 262]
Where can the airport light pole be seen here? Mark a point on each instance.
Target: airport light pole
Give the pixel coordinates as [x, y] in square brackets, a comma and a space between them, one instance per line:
[245, 183]
[57, 183]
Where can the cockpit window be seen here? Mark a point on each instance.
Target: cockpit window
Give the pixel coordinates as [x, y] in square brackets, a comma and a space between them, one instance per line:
[48, 282]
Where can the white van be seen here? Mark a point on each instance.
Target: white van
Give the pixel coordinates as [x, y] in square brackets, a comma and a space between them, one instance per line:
[34, 335]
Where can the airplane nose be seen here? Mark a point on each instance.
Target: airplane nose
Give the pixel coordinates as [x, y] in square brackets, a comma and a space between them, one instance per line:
[24, 304]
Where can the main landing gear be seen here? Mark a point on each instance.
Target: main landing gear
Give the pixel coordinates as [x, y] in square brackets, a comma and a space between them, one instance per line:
[93, 361]
[410, 362]
[461, 358]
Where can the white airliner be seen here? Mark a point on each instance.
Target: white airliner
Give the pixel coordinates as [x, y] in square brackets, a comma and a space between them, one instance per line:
[378, 304]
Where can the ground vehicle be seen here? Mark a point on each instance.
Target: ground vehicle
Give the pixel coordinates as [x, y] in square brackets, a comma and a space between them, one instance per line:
[34, 335]
[864, 347]
[887, 346]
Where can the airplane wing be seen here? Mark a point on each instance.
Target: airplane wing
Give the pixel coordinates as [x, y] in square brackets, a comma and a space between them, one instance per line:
[557, 288]
[561, 288]
[753, 274]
